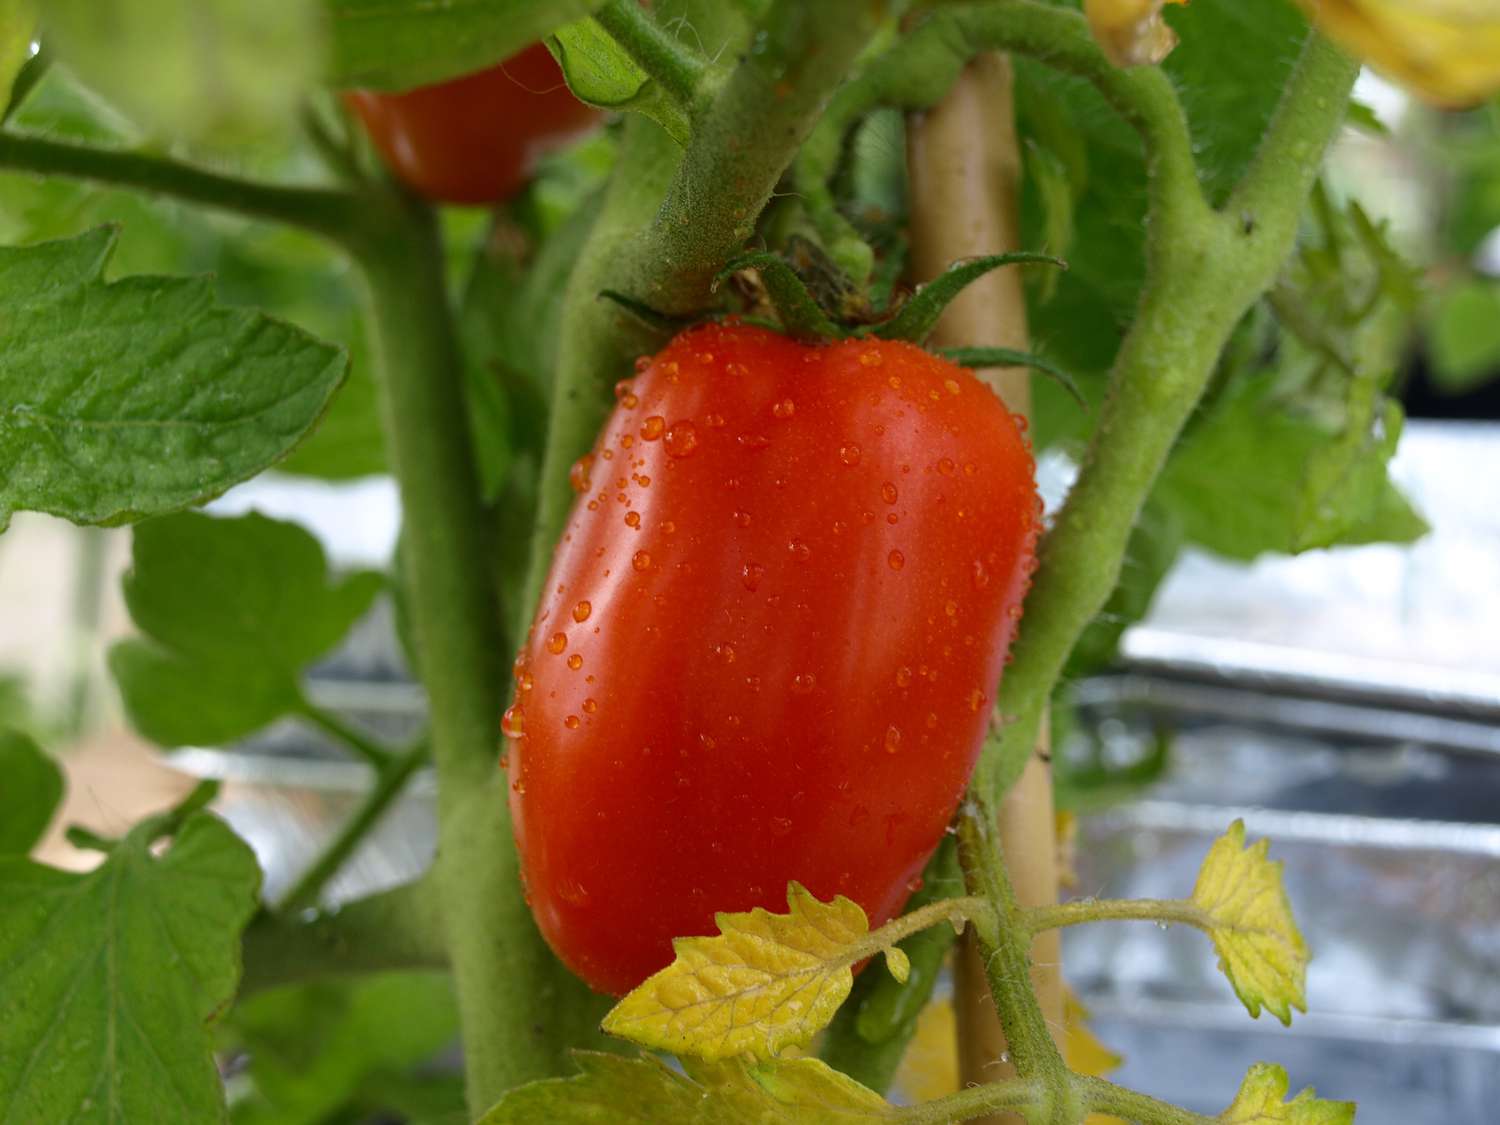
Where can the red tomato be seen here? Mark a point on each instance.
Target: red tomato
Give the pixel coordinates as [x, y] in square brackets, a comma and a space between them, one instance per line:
[768, 642]
[475, 139]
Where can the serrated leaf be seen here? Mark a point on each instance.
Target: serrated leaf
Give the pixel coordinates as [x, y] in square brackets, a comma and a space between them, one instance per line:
[140, 396]
[1447, 51]
[600, 73]
[1464, 336]
[643, 1091]
[767, 982]
[29, 793]
[112, 978]
[1260, 948]
[398, 44]
[193, 68]
[1260, 1102]
[232, 610]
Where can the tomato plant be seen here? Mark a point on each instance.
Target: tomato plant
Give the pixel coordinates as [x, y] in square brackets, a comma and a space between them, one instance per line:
[765, 531]
[778, 681]
[475, 139]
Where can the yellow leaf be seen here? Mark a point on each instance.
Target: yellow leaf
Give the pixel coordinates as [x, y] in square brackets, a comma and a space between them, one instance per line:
[1259, 1102]
[1251, 924]
[1131, 32]
[1065, 825]
[766, 982]
[1447, 51]
[929, 1068]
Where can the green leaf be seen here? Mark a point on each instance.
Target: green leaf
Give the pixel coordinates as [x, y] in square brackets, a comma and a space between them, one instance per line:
[398, 44]
[17, 29]
[1464, 336]
[801, 316]
[29, 796]
[916, 319]
[232, 610]
[643, 1091]
[1260, 949]
[200, 69]
[112, 978]
[600, 72]
[1257, 475]
[1260, 1102]
[139, 396]
[323, 1051]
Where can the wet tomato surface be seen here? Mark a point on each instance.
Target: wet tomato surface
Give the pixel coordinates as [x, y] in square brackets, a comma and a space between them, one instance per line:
[768, 644]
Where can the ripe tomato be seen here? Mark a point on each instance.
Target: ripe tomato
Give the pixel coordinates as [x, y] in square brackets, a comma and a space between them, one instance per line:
[475, 139]
[767, 644]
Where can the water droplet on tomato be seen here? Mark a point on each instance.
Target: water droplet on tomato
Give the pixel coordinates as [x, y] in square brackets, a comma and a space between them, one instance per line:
[892, 739]
[849, 454]
[781, 826]
[871, 358]
[582, 610]
[751, 574]
[950, 607]
[572, 722]
[784, 409]
[578, 475]
[715, 421]
[518, 787]
[915, 884]
[736, 369]
[641, 560]
[632, 519]
[803, 683]
[951, 386]
[888, 492]
[895, 560]
[799, 550]
[589, 706]
[513, 722]
[668, 527]
[575, 661]
[903, 676]
[725, 652]
[892, 518]
[557, 642]
[653, 427]
[945, 466]
[642, 362]
[753, 441]
[681, 439]
[741, 519]
[976, 700]
[978, 575]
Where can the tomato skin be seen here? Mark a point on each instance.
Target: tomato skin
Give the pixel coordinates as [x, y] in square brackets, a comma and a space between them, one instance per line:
[768, 641]
[475, 139]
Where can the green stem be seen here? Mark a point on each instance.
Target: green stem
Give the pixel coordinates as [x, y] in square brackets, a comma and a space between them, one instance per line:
[330, 213]
[920, 69]
[365, 748]
[1099, 1096]
[396, 929]
[1038, 918]
[32, 71]
[519, 1008]
[671, 219]
[1005, 945]
[993, 1097]
[679, 71]
[390, 780]
[1204, 270]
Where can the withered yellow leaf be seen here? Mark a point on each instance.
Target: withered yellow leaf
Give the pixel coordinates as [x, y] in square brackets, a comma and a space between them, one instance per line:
[1250, 920]
[768, 981]
[1446, 51]
[1131, 32]
[1260, 1102]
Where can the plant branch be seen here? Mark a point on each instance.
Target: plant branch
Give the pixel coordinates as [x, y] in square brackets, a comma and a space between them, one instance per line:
[922, 67]
[397, 929]
[363, 747]
[390, 779]
[1099, 1096]
[679, 71]
[993, 1097]
[1204, 270]
[333, 214]
[520, 1010]
[671, 219]
[1079, 911]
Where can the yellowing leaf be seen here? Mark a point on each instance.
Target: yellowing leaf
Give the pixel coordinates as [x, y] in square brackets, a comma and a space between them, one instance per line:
[1251, 924]
[1259, 1102]
[643, 1091]
[766, 982]
[1131, 32]
[929, 1068]
[1065, 825]
[1447, 51]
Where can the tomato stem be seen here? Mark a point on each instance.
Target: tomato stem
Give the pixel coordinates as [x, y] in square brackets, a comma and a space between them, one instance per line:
[1079, 911]
[680, 71]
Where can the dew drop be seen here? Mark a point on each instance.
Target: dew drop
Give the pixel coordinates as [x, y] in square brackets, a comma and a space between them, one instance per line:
[736, 369]
[892, 739]
[582, 610]
[803, 683]
[668, 527]
[976, 700]
[572, 722]
[950, 607]
[888, 492]
[951, 386]
[892, 518]
[578, 475]
[575, 661]
[525, 682]
[784, 409]
[589, 706]
[632, 519]
[623, 388]
[653, 427]
[849, 454]
[979, 575]
[751, 574]
[781, 825]
[903, 676]
[513, 722]
[641, 560]
[799, 550]
[715, 421]
[895, 560]
[556, 643]
[725, 652]
[753, 441]
[945, 466]
[642, 362]
[681, 439]
[871, 358]
[741, 519]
